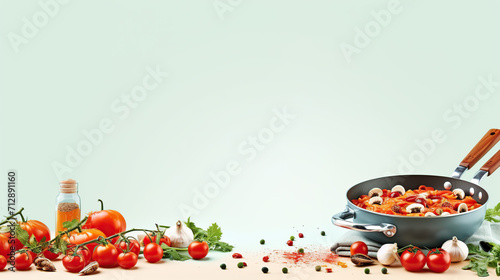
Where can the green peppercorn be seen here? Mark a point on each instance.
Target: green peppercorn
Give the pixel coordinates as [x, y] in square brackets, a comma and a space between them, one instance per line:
[384, 270]
[323, 233]
[240, 265]
[367, 271]
[285, 270]
[318, 268]
[223, 266]
[265, 269]
[292, 238]
[301, 251]
[439, 211]
[262, 241]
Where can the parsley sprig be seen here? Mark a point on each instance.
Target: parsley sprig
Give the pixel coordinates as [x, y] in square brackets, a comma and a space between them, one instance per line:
[212, 236]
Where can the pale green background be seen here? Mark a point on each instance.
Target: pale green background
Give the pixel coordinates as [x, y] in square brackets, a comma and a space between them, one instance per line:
[353, 121]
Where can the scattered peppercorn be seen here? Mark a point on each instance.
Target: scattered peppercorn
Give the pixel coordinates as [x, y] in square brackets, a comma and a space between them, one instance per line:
[323, 233]
[285, 270]
[292, 238]
[367, 271]
[244, 264]
[237, 256]
[301, 251]
[240, 265]
[384, 270]
[318, 268]
[265, 258]
[289, 243]
[265, 269]
[223, 266]
[301, 235]
[262, 242]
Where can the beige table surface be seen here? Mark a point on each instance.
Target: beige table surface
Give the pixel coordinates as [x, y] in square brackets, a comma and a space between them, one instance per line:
[209, 269]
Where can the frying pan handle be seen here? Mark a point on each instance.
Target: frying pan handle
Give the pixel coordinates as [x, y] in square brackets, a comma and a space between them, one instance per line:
[340, 219]
[488, 168]
[482, 147]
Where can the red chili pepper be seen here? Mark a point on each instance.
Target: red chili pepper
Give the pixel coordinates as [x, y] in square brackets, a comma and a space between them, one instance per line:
[434, 196]
[411, 198]
[421, 201]
[301, 235]
[265, 259]
[289, 243]
[237, 256]
[328, 270]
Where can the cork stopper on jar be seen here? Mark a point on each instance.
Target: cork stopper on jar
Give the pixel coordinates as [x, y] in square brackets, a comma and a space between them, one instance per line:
[68, 186]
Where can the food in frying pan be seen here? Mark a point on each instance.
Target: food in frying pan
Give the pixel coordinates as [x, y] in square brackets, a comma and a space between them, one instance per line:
[424, 201]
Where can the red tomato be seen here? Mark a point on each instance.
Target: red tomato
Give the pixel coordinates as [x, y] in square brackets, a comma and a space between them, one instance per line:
[83, 252]
[33, 255]
[438, 260]
[33, 227]
[49, 255]
[73, 263]
[4, 245]
[198, 250]
[134, 247]
[110, 222]
[394, 194]
[23, 261]
[359, 247]
[105, 255]
[86, 235]
[127, 260]
[153, 252]
[413, 259]
[3, 262]
[163, 240]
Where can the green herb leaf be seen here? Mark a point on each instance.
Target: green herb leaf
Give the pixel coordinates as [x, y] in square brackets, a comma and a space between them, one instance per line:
[212, 236]
[171, 253]
[22, 235]
[71, 224]
[492, 213]
[60, 245]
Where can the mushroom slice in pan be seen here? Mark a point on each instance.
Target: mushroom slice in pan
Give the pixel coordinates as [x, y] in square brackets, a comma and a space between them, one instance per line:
[429, 214]
[375, 192]
[445, 214]
[399, 189]
[415, 208]
[459, 193]
[462, 208]
[376, 200]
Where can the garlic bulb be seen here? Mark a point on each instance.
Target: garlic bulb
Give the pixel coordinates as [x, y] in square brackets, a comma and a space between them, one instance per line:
[388, 254]
[180, 235]
[457, 249]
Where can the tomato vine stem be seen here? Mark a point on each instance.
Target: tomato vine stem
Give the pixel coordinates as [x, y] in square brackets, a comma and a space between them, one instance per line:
[12, 216]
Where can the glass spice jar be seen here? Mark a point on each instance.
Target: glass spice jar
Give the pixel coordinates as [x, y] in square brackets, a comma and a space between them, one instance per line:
[68, 204]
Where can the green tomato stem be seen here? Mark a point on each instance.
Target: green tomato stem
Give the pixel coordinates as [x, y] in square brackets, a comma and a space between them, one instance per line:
[12, 216]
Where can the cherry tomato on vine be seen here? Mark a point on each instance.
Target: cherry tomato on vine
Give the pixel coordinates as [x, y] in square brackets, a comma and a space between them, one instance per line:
[438, 260]
[4, 245]
[134, 246]
[359, 247]
[86, 235]
[23, 260]
[153, 252]
[198, 250]
[105, 255]
[163, 240]
[49, 255]
[128, 260]
[73, 263]
[33, 255]
[83, 252]
[3, 262]
[413, 259]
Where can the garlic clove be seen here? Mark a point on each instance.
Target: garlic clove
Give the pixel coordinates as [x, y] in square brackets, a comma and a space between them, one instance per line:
[388, 254]
[180, 235]
[457, 249]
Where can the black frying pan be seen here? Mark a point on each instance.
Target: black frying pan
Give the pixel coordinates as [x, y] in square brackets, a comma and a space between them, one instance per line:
[424, 231]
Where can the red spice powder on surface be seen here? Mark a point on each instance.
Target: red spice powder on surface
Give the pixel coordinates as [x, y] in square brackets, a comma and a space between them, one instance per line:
[311, 257]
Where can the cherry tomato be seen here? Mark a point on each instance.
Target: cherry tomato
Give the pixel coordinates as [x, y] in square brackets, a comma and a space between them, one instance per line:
[413, 259]
[438, 260]
[49, 255]
[86, 235]
[134, 246]
[23, 260]
[153, 252]
[33, 255]
[394, 194]
[4, 245]
[198, 250]
[110, 222]
[359, 247]
[127, 260]
[73, 263]
[163, 240]
[3, 262]
[105, 255]
[83, 252]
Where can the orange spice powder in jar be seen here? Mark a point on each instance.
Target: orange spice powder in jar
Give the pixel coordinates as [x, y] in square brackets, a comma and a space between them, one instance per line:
[68, 204]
